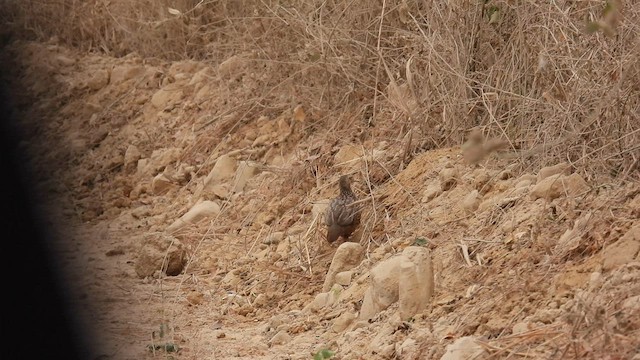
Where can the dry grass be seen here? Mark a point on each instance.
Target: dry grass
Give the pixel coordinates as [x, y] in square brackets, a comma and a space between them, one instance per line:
[531, 73]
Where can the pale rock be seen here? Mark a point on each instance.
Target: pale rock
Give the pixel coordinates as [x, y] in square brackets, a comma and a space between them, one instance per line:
[260, 301]
[319, 302]
[233, 67]
[407, 349]
[348, 154]
[521, 327]
[481, 180]
[160, 252]
[223, 170]
[281, 338]
[167, 96]
[344, 278]
[244, 172]
[631, 305]
[595, 280]
[562, 168]
[142, 166]
[622, 251]
[347, 256]
[126, 72]
[131, 156]
[464, 348]
[114, 162]
[99, 80]
[343, 321]
[558, 185]
[448, 178]
[200, 76]
[431, 192]
[274, 238]
[231, 279]
[161, 184]
[161, 158]
[203, 94]
[471, 202]
[571, 238]
[219, 334]
[408, 278]
[63, 60]
[198, 212]
[319, 209]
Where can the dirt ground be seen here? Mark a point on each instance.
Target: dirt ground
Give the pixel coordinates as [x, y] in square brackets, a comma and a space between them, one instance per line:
[124, 147]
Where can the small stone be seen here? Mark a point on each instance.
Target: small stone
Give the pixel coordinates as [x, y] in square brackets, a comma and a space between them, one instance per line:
[131, 156]
[520, 328]
[558, 185]
[161, 184]
[431, 192]
[343, 321]
[162, 252]
[260, 301]
[273, 238]
[344, 278]
[125, 72]
[471, 202]
[347, 256]
[280, 338]
[219, 334]
[198, 212]
[562, 168]
[448, 178]
[195, 298]
[99, 80]
[463, 349]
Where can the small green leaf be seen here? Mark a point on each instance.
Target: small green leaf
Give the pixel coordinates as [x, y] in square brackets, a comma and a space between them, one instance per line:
[420, 242]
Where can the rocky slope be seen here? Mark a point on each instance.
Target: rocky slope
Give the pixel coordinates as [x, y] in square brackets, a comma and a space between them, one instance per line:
[192, 229]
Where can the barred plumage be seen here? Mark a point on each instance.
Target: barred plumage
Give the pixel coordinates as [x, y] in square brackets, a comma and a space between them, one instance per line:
[342, 217]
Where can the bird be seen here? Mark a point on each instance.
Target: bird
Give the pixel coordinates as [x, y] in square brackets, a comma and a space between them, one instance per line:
[342, 217]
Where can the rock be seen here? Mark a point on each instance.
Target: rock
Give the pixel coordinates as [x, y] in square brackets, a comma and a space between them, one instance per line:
[464, 348]
[161, 252]
[562, 168]
[223, 170]
[231, 279]
[280, 338]
[347, 256]
[344, 278]
[142, 166]
[448, 178]
[63, 60]
[161, 184]
[471, 202]
[99, 80]
[320, 208]
[260, 301]
[233, 67]
[320, 301]
[219, 334]
[407, 349]
[126, 72]
[348, 154]
[342, 322]
[200, 76]
[245, 171]
[161, 158]
[198, 212]
[481, 180]
[622, 251]
[432, 191]
[195, 298]
[131, 156]
[167, 96]
[274, 238]
[571, 238]
[558, 185]
[521, 327]
[408, 278]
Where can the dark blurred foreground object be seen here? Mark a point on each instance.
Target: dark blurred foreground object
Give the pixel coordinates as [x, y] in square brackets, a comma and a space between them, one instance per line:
[36, 321]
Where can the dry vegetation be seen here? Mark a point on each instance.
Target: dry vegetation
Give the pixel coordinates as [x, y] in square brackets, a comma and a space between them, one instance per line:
[554, 79]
